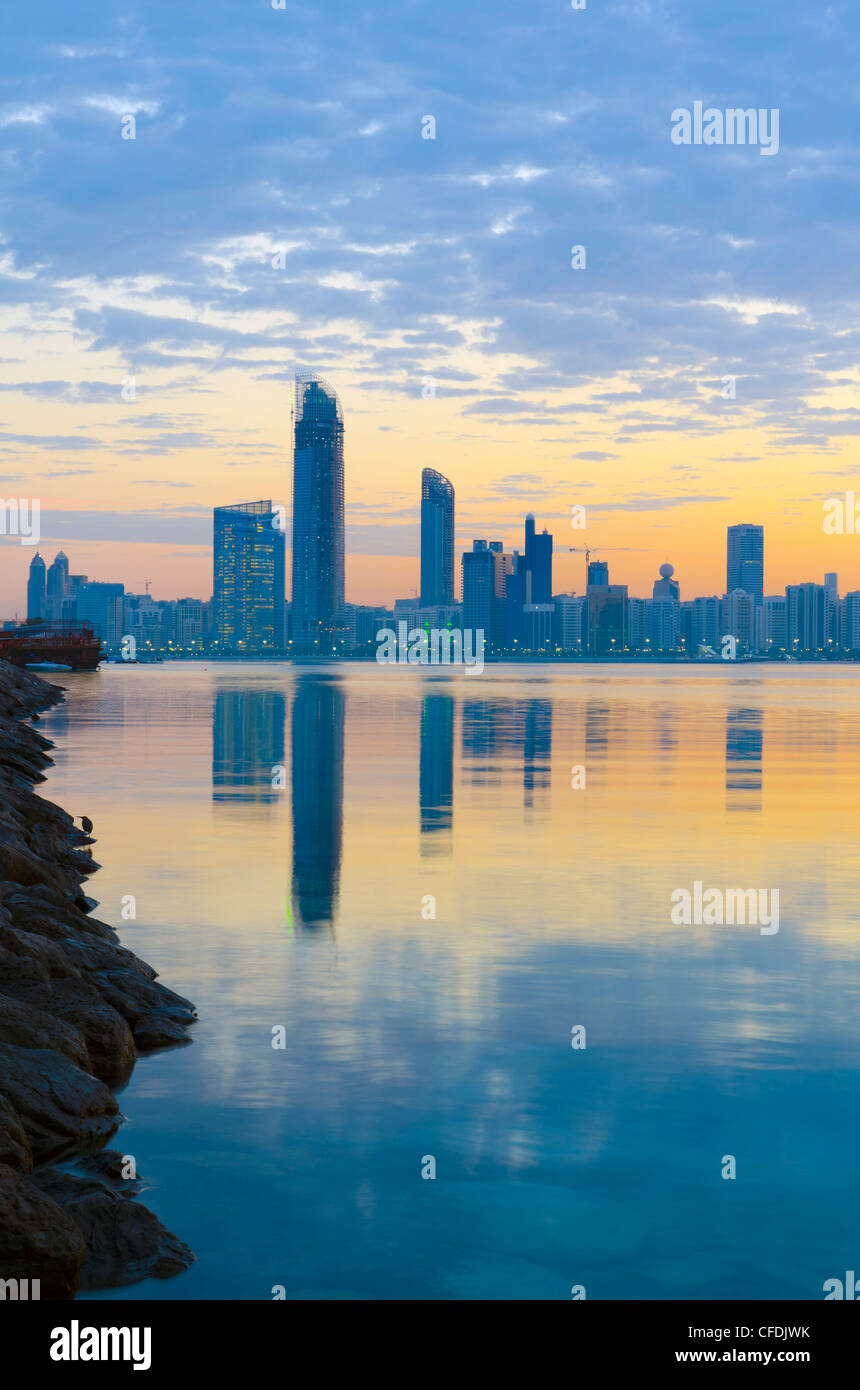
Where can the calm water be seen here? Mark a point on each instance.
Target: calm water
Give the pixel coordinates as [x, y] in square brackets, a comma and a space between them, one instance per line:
[300, 905]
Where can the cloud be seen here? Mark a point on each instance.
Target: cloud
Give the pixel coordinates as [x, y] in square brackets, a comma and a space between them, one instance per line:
[25, 115]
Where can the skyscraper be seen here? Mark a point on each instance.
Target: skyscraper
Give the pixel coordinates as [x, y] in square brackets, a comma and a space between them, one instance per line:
[57, 586]
[745, 560]
[528, 592]
[318, 515]
[437, 539]
[538, 564]
[36, 591]
[485, 569]
[101, 605]
[806, 617]
[607, 612]
[249, 576]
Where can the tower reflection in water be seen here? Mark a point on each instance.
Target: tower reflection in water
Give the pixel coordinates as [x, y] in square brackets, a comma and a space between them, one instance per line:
[743, 759]
[317, 742]
[494, 732]
[436, 773]
[248, 745]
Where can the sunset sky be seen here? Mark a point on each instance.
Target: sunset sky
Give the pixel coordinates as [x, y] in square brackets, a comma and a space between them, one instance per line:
[299, 130]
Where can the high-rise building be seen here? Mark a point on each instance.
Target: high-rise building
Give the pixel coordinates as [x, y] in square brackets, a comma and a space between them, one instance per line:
[249, 577]
[638, 624]
[774, 637]
[705, 623]
[485, 570]
[664, 623]
[738, 618]
[607, 619]
[36, 590]
[598, 572]
[570, 622]
[101, 605]
[806, 617]
[437, 539]
[745, 560]
[189, 622]
[665, 614]
[851, 622]
[528, 592]
[57, 586]
[538, 564]
[318, 516]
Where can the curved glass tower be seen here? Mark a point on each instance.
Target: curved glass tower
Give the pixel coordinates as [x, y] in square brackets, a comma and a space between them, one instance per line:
[437, 539]
[318, 518]
[36, 588]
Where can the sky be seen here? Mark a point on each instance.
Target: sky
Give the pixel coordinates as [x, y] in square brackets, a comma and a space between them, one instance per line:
[280, 209]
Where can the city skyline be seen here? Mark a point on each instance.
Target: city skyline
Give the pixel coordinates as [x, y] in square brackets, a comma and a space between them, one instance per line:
[509, 602]
[437, 564]
[695, 371]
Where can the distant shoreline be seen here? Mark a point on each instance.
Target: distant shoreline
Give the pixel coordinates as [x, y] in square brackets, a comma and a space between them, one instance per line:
[533, 660]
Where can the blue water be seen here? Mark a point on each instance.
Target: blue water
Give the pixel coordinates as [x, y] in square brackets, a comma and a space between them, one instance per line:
[306, 905]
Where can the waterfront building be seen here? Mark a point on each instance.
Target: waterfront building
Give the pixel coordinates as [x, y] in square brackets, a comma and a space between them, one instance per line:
[318, 517]
[745, 560]
[437, 539]
[249, 576]
[36, 588]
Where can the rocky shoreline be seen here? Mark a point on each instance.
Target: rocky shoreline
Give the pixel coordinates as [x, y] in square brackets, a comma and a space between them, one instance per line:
[76, 1010]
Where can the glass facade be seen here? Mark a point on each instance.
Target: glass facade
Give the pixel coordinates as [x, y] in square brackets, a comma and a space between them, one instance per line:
[36, 588]
[318, 516]
[249, 578]
[745, 560]
[437, 539]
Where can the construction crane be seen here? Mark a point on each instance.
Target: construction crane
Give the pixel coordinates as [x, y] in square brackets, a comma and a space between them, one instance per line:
[586, 550]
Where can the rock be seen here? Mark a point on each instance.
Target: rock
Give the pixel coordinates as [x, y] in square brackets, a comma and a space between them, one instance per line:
[70, 996]
[78, 1003]
[15, 1149]
[134, 997]
[36, 909]
[48, 953]
[125, 1242]
[61, 1108]
[109, 1165]
[157, 1030]
[102, 955]
[39, 1239]
[27, 1026]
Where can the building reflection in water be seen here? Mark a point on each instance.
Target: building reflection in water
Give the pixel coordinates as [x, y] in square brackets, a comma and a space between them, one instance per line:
[537, 748]
[317, 742]
[743, 759]
[248, 745]
[436, 773]
[492, 730]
